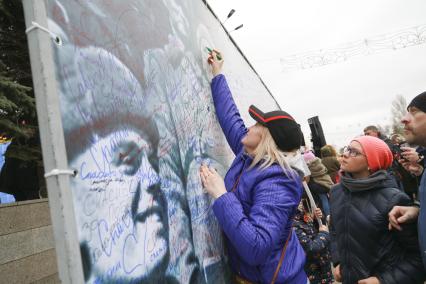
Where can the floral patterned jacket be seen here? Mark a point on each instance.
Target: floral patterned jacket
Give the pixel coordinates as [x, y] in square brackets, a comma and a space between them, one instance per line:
[317, 248]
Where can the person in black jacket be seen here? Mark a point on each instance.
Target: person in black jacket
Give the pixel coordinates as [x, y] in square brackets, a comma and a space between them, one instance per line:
[319, 181]
[363, 250]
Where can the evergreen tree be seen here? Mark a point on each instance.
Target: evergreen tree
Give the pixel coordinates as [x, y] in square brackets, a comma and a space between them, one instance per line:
[18, 118]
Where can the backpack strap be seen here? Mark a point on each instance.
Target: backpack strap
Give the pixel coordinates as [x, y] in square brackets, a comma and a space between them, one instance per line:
[282, 257]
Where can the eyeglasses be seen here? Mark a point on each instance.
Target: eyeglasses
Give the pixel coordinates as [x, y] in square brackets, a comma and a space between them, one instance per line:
[351, 151]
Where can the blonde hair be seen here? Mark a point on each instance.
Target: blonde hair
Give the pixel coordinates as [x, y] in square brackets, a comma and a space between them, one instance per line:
[268, 152]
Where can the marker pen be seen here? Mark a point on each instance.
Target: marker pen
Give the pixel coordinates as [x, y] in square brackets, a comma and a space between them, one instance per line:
[217, 55]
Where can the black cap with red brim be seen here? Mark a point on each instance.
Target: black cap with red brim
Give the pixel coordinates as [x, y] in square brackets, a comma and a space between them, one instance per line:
[283, 128]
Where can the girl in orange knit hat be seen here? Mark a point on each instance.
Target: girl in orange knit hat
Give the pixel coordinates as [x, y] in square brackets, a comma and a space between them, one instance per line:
[363, 249]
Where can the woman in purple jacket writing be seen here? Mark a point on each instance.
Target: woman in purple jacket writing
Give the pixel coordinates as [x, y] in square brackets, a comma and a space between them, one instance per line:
[258, 199]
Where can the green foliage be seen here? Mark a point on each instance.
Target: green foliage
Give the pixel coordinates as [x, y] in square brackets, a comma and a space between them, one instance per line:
[13, 42]
[18, 118]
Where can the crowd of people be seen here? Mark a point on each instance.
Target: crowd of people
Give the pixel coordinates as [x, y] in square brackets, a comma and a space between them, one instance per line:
[348, 216]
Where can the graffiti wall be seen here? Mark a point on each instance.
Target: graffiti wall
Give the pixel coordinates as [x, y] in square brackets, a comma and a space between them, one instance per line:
[138, 121]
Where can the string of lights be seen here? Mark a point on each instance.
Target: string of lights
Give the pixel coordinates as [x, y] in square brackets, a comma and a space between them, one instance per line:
[368, 46]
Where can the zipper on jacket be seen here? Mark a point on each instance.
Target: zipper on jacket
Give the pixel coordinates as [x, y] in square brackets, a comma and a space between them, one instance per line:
[234, 189]
[348, 203]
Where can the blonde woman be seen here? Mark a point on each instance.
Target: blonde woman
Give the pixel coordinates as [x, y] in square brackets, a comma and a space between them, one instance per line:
[260, 194]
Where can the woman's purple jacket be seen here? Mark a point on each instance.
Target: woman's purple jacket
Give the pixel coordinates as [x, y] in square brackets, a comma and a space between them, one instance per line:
[257, 216]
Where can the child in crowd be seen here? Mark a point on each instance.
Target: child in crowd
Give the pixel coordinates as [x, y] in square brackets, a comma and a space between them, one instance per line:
[315, 240]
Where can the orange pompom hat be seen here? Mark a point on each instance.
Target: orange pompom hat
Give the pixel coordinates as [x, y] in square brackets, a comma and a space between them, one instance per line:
[377, 152]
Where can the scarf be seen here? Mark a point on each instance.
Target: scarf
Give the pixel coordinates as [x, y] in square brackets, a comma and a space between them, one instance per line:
[375, 180]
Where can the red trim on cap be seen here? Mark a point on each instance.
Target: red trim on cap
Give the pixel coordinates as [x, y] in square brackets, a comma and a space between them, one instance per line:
[270, 118]
[279, 117]
[256, 114]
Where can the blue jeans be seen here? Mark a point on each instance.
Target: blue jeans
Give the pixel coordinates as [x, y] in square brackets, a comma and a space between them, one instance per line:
[325, 204]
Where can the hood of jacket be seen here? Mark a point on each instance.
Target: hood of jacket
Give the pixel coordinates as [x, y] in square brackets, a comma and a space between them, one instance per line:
[317, 168]
[319, 173]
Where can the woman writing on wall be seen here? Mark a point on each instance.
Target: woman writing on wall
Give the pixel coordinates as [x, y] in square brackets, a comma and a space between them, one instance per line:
[259, 197]
[363, 250]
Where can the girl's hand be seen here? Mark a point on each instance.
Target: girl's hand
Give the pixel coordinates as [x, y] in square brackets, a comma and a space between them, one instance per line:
[323, 228]
[318, 213]
[212, 181]
[215, 63]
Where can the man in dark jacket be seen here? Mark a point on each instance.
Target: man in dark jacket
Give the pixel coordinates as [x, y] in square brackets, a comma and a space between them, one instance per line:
[415, 133]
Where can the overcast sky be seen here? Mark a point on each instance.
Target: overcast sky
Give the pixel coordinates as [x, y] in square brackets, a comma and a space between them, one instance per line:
[347, 95]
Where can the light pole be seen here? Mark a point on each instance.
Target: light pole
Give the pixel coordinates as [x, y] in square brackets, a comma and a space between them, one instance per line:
[227, 18]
